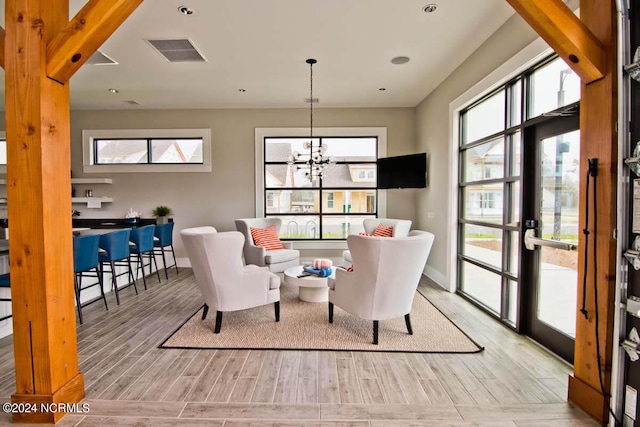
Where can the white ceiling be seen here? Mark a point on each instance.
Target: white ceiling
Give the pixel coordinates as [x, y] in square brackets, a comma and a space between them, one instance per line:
[261, 46]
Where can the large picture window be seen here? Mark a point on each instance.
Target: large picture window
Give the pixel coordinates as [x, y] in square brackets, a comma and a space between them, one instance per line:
[325, 208]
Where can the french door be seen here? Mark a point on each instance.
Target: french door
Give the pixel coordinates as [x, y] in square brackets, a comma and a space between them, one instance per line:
[549, 262]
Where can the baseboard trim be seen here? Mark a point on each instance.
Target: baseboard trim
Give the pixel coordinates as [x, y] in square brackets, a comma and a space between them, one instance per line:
[439, 278]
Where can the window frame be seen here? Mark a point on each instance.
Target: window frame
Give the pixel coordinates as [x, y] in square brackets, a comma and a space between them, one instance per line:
[511, 181]
[89, 156]
[261, 133]
[3, 137]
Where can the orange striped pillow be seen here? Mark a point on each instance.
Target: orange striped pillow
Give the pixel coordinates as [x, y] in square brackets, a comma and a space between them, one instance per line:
[383, 231]
[266, 237]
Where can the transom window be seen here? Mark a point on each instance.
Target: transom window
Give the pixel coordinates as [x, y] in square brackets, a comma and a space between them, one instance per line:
[146, 150]
[150, 150]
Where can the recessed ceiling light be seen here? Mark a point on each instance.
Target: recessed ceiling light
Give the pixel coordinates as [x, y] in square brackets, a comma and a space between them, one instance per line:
[399, 60]
[431, 7]
[185, 10]
[112, 90]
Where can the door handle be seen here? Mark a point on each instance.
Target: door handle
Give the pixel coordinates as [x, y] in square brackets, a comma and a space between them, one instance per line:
[531, 241]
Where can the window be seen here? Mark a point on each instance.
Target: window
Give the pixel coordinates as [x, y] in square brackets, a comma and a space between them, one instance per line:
[326, 208]
[272, 197]
[140, 150]
[330, 200]
[552, 86]
[3, 149]
[305, 216]
[3, 152]
[490, 176]
[161, 151]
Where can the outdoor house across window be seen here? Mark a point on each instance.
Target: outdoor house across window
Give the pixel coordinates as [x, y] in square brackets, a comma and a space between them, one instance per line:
[329, 207]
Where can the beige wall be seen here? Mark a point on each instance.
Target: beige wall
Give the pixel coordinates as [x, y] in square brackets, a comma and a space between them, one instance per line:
[227, 192]
[434, 137]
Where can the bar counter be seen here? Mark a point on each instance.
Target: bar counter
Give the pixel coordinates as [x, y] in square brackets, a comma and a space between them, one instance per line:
[102, 223]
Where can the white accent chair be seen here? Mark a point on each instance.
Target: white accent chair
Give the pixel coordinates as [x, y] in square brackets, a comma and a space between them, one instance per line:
[401, 228]
[226, 284]
[385, 276]
[278, 260]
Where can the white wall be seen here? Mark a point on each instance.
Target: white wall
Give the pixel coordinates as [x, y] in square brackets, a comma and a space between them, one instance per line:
[218, 197]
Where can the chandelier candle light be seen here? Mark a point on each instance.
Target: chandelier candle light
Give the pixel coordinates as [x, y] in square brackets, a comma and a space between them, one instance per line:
[314, 159]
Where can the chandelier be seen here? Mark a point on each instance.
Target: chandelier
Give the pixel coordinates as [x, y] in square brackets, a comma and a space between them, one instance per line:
[314, 159]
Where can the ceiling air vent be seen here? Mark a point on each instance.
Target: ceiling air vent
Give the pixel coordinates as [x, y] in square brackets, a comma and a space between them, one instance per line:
[100, 58]
[179, 50]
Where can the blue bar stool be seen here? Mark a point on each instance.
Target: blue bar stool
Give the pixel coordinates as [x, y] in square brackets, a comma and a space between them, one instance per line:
[164, 235]
[141, 246]
[116, 253]
[85, 264]
[5, 282]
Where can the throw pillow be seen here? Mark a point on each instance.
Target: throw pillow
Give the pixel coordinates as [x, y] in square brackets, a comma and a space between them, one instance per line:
[266, 237]
[383, 231]
[365, 234]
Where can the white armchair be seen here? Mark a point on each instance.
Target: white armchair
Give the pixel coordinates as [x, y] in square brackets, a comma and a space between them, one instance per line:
[384, 279]
[226, 284]
[401, 228]
[277, 260]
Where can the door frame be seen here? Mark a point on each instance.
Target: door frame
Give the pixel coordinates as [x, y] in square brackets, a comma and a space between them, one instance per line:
[533, 132]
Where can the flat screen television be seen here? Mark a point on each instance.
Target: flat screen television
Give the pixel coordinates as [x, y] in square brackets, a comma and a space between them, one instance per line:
[403, 171]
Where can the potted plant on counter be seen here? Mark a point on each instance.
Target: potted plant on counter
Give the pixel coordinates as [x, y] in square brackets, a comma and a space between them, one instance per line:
[162, 214]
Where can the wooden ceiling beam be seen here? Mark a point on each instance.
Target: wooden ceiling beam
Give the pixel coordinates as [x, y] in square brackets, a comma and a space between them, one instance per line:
[84, 34]
[2, 47]
[566, 34]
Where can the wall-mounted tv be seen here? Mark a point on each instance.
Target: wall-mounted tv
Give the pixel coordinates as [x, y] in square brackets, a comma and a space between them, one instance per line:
[403, 171]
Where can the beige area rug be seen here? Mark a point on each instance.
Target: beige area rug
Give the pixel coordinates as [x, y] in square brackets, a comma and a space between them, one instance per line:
[305, 326]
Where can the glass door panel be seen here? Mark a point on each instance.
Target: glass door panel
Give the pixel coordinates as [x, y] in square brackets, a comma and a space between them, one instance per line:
[558, 278]
[557, 290]
[550, 260]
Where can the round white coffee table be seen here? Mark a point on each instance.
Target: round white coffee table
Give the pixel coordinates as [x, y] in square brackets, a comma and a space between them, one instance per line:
[311, 288]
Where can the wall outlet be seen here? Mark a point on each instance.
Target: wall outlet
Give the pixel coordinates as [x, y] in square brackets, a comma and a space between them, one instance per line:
[431, 214]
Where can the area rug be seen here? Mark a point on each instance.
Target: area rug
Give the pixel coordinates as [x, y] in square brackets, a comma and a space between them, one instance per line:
[304, 326]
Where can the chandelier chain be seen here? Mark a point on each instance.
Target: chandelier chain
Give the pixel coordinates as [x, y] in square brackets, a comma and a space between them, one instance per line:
[311, 100]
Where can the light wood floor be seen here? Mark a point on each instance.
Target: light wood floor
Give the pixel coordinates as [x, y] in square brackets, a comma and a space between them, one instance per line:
[130, 382]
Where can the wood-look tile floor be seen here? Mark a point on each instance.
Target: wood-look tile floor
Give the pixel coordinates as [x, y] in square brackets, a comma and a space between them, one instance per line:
[130, 382]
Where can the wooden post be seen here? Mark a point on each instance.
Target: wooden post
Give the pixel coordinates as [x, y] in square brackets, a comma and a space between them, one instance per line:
[39, 194]
[598, 115]
[566, 34]
[39, 190]
[588, 45]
